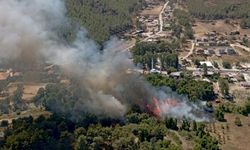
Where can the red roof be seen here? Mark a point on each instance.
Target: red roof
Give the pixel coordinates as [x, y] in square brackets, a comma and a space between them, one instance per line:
[4, 76]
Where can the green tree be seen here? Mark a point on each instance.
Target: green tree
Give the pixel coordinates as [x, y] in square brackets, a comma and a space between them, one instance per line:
[205, 69]
[185, 125]
[171, 123]
[226, 65]
[194, 126]
[219, 115]
[224, 86]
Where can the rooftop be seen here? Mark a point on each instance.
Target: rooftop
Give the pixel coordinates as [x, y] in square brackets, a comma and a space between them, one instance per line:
[4, 76]
[208, 63]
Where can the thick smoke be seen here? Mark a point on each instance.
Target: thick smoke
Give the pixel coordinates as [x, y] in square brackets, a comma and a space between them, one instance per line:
[29, 35]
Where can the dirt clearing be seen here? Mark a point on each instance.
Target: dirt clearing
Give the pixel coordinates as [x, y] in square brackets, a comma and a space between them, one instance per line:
[231, 136]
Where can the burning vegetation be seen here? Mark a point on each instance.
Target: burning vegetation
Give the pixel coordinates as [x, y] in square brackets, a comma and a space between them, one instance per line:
[98, 82]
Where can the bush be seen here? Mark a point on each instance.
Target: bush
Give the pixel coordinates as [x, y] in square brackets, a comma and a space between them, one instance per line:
[227, 65]
[238, 122]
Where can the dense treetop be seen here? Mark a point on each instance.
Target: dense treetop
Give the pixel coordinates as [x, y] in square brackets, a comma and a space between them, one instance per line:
[219, 9]
[103, 18]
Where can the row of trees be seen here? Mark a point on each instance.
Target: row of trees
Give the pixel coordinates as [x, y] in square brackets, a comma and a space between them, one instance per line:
[144, 53]
[195, 90]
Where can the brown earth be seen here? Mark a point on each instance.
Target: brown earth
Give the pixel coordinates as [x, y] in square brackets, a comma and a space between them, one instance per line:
[232, 137]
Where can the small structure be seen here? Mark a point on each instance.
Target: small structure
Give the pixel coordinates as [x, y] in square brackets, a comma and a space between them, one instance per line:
[245, 65]
[222, 51]
[245, 84]
[197, 74]
[175, 74]
[208, 63]
[155, 71]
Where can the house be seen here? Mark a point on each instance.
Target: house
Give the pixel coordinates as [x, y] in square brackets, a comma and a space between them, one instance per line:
[200, 44]
[211, 43]
[222, 51]
[197, 74]
[217, 53]
[155, 71]
[246, 77]
[245, 65]
[209, 52]
[206, 52]
[206, 80]
[175, 74]
[4, 76]
[208, 63]
[245, 84]
[210, 73]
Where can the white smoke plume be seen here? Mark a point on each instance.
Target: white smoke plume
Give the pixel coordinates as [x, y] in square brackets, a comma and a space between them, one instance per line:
[29, 34]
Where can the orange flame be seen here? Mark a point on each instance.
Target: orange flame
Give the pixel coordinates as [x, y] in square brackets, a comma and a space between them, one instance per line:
[155, 106]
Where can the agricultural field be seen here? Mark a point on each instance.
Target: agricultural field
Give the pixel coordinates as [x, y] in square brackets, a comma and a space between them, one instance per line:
[30, 90]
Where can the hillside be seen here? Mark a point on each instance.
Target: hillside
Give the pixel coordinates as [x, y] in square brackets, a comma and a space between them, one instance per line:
[103, 18]
[219, 9]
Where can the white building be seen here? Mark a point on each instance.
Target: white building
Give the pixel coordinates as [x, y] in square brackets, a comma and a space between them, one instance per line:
[208, 63]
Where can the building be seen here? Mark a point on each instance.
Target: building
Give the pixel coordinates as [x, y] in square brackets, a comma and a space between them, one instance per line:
[208, 63]
[222, 51]
[245, 65]
[155, 71]
[246, 77]
[245, 84]
[175, 74]
[4, 75]
[197, 74]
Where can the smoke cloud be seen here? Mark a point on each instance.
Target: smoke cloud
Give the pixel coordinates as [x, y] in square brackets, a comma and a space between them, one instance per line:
[29, 35]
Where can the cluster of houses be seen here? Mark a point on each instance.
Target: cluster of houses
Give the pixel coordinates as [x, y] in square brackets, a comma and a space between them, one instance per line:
[213, 43]
[212, 39]
[150, 23]
[217, 51]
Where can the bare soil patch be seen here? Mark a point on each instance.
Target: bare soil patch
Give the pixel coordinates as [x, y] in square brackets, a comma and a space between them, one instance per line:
[154, 11]
[232, 137]
[219, 26]
[31, 89]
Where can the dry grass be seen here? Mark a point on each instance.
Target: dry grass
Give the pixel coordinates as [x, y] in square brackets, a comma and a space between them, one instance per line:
[232, 137]
[220, 26]
[35, 113]
[241, 94]
[155, 11]
[31, 89]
